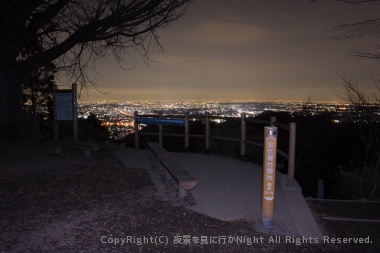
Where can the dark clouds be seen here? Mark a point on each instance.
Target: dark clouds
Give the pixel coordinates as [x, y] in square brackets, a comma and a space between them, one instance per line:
[246, 49]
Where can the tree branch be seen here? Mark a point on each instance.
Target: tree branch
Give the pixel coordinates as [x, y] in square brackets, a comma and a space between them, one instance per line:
[38, 19]
[98, 27]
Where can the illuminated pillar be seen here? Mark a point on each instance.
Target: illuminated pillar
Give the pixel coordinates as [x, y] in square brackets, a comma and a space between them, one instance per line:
[269, 176]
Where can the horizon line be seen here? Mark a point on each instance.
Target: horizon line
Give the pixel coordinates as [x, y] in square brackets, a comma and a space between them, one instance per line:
[210, 100]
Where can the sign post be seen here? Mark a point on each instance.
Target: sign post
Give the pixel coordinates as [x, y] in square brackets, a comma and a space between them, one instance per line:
[55, 113]
[269, 176]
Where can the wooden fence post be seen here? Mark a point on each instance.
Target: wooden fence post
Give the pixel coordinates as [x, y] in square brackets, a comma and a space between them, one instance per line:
[160, 131]
[75, 113]
[207, 132]
[292, 154]
[187, 131]
[55, 88]
[136, 115]
[243, 135]
[273, 120]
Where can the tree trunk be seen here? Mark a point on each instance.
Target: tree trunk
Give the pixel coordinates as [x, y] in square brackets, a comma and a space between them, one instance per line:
[32, 100]
[10, 103]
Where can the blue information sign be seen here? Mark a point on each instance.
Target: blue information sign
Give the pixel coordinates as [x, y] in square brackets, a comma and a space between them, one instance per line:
[64, 105]
[157, 121]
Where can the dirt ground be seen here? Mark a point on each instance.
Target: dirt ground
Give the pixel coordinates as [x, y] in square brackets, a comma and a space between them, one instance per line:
[349, 219]
[51, 203]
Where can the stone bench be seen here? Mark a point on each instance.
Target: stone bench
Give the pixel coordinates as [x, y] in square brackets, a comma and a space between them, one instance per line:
[184, 180]
[159, 151]
[87, 147]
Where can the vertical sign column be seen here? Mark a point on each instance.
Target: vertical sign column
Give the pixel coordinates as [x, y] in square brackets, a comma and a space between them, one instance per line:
[269, 176]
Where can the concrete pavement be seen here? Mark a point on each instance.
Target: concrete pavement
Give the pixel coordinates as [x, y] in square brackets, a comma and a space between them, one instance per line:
[229, 189]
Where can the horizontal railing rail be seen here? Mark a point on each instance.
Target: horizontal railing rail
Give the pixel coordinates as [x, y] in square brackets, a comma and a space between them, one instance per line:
[290, 156]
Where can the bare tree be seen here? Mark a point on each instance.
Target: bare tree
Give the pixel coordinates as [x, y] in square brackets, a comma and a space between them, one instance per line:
[359, 28]
[363, 99]
[72, 34]
[365, 115]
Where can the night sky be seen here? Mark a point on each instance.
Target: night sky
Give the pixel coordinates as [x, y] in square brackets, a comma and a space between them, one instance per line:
[246, 50]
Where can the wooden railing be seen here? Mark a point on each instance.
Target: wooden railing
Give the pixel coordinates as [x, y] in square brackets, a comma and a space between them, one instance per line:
[291, 129]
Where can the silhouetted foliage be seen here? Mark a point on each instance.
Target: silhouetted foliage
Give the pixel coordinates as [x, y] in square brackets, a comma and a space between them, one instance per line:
[330, 151]
[38, 109]
[89, 129]
[73, 35]
[38, 92]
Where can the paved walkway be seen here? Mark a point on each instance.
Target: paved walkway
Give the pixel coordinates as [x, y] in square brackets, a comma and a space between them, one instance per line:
[229, 189]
